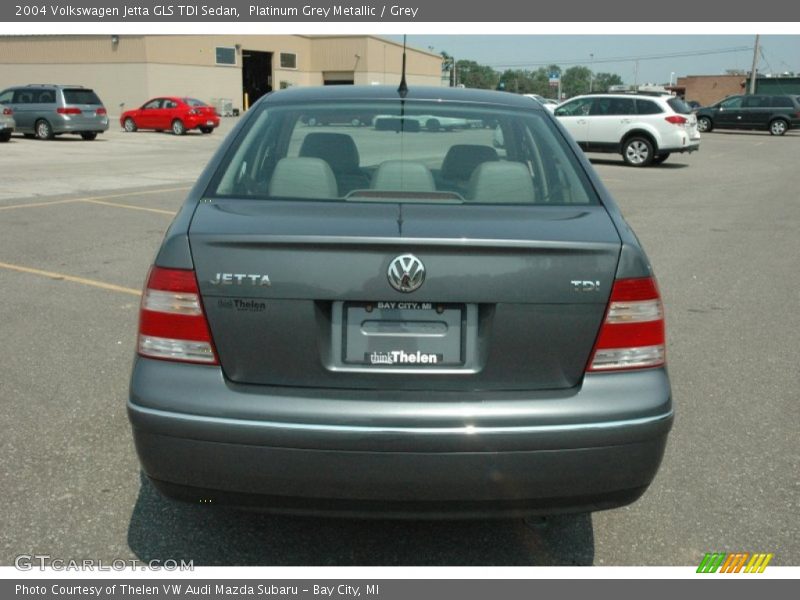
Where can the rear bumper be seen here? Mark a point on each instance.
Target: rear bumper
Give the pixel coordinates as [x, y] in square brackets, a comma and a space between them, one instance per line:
[596, 447]
[681, 144]
[66, 124]
[196, 122]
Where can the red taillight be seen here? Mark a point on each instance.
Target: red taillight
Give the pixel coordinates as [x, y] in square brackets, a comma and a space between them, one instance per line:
[632, 335]
[172, 325]
[8, 112]
[69, 110]
[101, 111]
[676, 119]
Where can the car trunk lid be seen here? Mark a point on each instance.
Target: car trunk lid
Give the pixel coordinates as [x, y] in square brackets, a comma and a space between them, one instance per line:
[513, 296]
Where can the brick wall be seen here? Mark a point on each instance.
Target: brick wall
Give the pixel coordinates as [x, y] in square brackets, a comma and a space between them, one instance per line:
[709, 89]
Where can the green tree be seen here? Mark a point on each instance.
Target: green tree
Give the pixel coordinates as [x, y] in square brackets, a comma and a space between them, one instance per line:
[603, 81]
[519, 81]
[473, 75]
[575, 80]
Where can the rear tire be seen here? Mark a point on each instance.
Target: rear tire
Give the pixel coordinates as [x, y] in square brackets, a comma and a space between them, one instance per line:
[206, 130]
[660, 158]
[704, 125]
[637, 151]
[5, 136]
[130, 125]
[89, 135]
[44, 131]
[178, 128]
[778, 127]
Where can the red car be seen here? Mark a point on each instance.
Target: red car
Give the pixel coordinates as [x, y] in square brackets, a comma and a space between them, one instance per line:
[178, 114]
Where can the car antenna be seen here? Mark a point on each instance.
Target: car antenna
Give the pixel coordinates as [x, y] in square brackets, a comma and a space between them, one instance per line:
[403, 89]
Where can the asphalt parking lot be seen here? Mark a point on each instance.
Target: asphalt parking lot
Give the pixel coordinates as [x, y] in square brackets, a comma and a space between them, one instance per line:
[80, 223]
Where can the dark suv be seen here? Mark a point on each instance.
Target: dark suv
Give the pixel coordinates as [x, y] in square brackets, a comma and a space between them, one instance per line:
[776, 114]
[47, 110]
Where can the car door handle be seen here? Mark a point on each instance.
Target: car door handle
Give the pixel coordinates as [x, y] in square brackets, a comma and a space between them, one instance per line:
[625, 121]
[581, 121]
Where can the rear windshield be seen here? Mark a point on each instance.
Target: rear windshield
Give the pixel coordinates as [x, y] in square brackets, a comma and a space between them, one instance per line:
[421, 152]
[194, 102]
[679, 106]
[81, 96]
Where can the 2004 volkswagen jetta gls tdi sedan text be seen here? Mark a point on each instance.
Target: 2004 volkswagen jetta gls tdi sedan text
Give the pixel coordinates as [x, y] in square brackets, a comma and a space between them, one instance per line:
[400, 319]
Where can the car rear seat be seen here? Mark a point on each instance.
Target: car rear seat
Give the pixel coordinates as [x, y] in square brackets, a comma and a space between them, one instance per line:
[340, 152]
[303, 177]
[462, 159]
[501, 182]
[403, 175]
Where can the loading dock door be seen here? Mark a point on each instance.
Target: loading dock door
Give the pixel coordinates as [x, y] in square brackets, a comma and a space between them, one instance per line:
[256, 74]
[338, 77]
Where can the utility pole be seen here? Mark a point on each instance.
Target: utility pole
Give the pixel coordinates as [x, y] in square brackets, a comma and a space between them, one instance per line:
[636, 76]
[753, 70]
[591, 72]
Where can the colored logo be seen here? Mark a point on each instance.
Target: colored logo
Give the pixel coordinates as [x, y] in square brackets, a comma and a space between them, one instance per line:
[735, 562]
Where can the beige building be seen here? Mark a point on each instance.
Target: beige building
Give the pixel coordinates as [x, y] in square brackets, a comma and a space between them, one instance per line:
[129, 69]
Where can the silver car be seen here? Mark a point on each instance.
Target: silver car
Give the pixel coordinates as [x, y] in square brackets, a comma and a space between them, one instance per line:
[7, 123]
[400, 321]
[45, 111]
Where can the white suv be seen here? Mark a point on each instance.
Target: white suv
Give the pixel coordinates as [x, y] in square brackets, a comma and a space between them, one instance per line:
[645, 129]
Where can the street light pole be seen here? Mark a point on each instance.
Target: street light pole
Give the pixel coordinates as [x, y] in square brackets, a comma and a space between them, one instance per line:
[591, 72]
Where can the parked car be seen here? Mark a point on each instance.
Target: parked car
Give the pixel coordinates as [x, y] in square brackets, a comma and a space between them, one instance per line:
[693, 104]
[427, 122]
[322, 117]
[401, 324]
[46, 110]
[645, 128]
[173, 113]
[548, 103]
[776, 114]
[7, 123]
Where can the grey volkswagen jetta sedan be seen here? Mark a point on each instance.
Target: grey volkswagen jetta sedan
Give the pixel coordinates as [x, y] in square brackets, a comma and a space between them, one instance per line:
[401, 320]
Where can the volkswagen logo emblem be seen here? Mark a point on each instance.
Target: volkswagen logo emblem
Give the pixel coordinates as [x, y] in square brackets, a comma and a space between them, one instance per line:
[406, 273]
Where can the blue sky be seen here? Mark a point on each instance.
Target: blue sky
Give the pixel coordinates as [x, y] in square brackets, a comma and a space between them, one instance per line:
[780, 52]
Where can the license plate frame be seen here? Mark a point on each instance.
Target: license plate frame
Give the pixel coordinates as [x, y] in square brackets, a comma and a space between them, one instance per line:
[403, 335]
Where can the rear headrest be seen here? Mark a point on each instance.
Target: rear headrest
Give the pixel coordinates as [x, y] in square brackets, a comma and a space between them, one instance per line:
[303, 178]
[337, 149]
[402, 175]
[502, 182]
[461, 160]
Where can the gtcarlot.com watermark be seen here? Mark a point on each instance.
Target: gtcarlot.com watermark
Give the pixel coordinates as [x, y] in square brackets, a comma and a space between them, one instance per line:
[42, 562]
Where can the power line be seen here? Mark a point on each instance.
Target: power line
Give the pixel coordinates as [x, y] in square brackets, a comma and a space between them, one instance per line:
[581, 61]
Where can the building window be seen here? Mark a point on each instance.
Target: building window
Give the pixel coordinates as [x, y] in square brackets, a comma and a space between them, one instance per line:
[288, 60]
[226, 56]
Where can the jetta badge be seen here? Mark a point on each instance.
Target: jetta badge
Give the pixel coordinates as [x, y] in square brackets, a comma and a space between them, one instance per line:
[406, 273]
